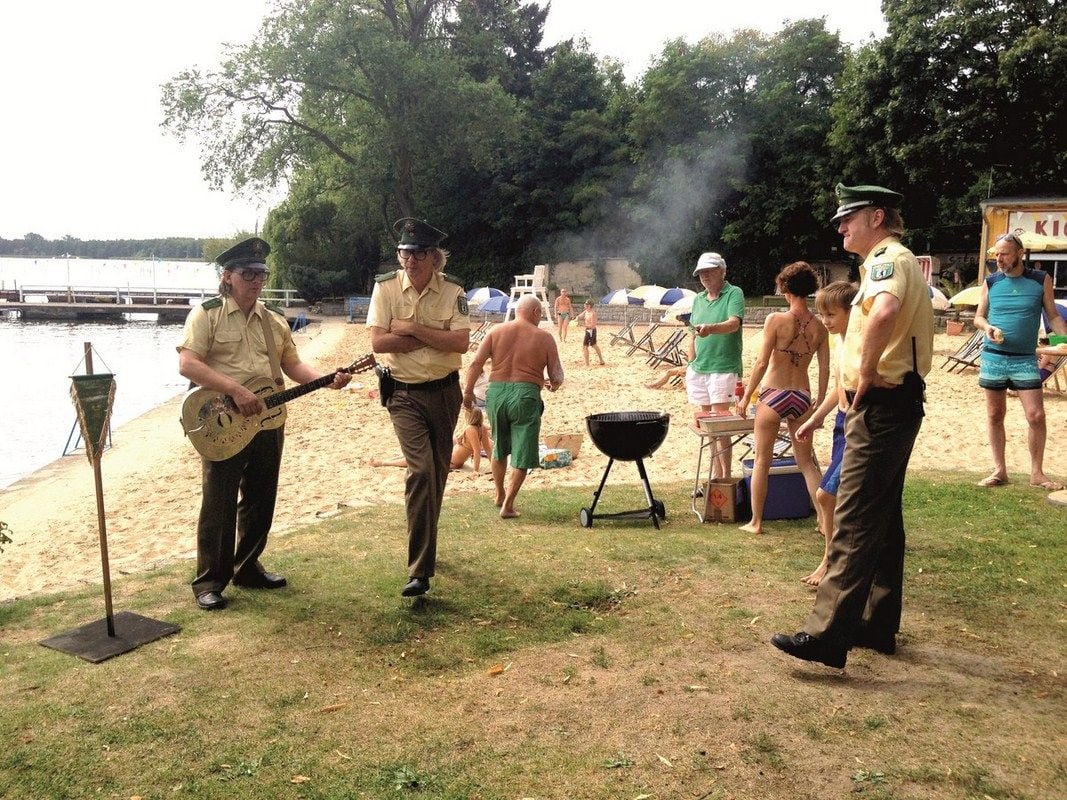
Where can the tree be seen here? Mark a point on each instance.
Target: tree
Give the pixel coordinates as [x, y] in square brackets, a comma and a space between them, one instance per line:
[956, 89]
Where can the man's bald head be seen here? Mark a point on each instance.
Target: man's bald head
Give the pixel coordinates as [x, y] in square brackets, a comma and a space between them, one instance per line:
[529, 308]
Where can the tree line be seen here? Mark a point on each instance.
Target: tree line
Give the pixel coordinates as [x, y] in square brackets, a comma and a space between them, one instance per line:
[456, 112]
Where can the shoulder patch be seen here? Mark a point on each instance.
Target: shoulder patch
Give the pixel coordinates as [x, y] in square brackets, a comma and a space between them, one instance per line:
[462, 306]
[214, 302]
[452, 279]
[388, 276]
[881, 251]
[879, 272]
[277, 309]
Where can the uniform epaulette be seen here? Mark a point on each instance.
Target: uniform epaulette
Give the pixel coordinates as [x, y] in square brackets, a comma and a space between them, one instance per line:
[388, 276]
[881, 251]
[452, 279]
[277, 309]
[214, 302]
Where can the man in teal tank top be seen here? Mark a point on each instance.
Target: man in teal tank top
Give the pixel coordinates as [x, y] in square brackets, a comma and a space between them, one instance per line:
[1009, 311]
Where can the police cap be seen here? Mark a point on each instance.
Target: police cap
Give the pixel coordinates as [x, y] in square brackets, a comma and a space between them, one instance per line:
[417, 234]
[250, 254]
[853, 198]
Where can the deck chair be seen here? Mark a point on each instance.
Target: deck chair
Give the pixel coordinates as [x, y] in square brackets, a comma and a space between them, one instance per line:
[645, 343]
[1056, 369]
[478, 334]
[669, 352]
[625, 335]
[968, 354]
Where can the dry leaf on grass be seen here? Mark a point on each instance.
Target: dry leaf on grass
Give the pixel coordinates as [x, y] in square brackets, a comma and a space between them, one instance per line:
[496, 669]
[299, 779]
[330, 709]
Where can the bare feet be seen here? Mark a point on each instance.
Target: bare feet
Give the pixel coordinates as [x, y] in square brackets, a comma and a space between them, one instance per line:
[506, 514]
[376, 462]
[499, 502]
[752, 527]
[815, 578]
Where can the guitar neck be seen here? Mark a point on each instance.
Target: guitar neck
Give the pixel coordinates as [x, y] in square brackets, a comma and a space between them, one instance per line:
[298, 391]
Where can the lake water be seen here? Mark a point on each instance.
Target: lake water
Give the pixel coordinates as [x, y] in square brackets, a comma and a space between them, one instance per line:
[38, 358]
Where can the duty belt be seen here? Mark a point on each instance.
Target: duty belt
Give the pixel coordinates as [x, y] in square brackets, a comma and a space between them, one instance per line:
[449, 379]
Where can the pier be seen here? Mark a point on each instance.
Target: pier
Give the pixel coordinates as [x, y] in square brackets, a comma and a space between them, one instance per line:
[65, 303]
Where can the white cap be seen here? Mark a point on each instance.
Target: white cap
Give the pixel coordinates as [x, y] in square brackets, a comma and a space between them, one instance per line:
[709, 261]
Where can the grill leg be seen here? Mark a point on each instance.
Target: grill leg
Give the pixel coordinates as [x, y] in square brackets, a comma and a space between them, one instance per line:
[648, 493]
[596, 494]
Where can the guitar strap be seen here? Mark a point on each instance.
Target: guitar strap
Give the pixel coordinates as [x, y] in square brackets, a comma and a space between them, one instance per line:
[272, 351]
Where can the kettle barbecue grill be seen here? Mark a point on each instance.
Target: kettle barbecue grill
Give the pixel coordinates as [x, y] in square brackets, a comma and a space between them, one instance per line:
[627, 436]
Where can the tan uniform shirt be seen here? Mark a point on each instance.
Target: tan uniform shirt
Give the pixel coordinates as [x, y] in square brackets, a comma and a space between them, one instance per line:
[234, 345]
[441, 305]
[891, 267]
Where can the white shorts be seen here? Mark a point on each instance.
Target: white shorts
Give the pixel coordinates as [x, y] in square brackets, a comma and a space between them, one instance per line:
[708, 389]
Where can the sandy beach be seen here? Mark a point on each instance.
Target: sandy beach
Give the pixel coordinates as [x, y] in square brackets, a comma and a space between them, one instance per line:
[151, 475]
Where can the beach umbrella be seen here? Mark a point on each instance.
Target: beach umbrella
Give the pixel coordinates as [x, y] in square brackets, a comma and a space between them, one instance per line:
[672, 296]
[495, 305]
[477, 297]
[937, 297]
[968, 297]
[650, 293]
[1038, 243]
[680, 309]
[620, 298]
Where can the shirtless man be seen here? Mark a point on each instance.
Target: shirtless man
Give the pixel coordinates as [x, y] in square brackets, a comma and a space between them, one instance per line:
[564, 311]
[588, 319]
[520, 353]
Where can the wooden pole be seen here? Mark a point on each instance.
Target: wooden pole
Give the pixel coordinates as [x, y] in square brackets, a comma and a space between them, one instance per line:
[101, 523]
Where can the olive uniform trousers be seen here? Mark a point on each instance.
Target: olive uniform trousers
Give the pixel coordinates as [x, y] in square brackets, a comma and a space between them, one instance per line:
[861, 594]
[425, 421]
[226, 522]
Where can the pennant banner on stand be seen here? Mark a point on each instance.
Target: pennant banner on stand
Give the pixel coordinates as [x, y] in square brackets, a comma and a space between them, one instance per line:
[93, 397]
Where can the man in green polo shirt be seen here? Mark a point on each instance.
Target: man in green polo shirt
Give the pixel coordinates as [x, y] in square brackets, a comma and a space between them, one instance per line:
[715, 350]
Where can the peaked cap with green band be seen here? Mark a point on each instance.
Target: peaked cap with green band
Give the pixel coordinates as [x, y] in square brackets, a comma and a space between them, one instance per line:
[853, 198]
[417, 234]
[249, 253]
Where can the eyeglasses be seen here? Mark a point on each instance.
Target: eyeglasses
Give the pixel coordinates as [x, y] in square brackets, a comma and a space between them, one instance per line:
[252, 275]
[1011, 237]
[416, 255]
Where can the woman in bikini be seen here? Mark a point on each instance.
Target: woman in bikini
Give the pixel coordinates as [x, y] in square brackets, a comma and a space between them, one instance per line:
[790, 340]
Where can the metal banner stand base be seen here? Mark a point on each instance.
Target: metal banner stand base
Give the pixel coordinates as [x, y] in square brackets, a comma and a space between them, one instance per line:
[93, 643]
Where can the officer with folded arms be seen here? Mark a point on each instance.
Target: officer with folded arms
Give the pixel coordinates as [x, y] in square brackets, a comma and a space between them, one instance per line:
[419, 326]
[887, 352]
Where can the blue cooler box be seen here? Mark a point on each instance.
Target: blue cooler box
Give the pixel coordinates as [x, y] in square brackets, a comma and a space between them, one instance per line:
[787, 494]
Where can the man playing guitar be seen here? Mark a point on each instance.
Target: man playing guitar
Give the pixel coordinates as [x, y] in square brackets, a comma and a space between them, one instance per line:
[228, 341]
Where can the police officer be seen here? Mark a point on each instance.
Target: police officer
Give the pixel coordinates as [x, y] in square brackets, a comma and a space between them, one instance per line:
[223, 347]
[419, 323]
[887, 351]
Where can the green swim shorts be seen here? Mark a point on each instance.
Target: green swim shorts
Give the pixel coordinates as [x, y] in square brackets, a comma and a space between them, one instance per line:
[514, 410]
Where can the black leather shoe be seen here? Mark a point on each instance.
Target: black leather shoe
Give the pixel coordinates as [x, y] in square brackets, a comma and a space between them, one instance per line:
[415, 587]
[881, 643]
[211, 601]
[807, 647]
[260, 580]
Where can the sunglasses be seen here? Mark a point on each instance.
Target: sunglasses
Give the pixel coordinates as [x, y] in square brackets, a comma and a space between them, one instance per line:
[252, 275]
[1010, 237]
[414, 255]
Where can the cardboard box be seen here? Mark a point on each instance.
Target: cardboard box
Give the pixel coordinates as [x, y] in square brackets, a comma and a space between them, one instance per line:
[721, 497]
[787, 494]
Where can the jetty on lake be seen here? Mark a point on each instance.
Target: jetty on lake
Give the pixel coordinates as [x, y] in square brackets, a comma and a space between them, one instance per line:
[93, 303]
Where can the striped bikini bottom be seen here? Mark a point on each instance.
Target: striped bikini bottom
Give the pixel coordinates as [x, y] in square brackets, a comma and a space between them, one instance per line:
[786, 402]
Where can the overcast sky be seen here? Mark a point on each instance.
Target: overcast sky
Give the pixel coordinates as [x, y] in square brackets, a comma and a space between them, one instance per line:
[81, 148]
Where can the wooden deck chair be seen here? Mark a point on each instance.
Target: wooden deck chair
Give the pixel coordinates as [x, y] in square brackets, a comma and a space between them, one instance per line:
[968, 354]
[625, 334]
[478, 334]
[1056, 369]
[669, 352]
[645, 343]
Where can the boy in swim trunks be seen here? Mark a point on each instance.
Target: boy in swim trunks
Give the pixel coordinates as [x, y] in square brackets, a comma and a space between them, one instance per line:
[833, 302]
[564, 311]
[588, 319]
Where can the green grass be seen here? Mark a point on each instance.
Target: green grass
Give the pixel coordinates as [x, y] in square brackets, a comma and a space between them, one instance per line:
[554, 661]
